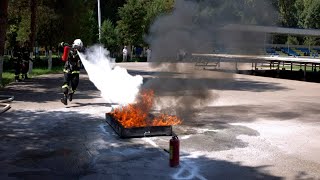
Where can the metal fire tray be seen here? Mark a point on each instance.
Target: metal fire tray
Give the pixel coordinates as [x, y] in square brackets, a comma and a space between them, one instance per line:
[137, 131]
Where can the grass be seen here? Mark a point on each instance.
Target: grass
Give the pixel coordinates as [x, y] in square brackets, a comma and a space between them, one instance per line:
[41, 71]
[8, 76]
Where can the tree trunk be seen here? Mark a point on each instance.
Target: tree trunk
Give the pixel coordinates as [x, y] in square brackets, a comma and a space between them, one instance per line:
[3, 30]
[32, 37]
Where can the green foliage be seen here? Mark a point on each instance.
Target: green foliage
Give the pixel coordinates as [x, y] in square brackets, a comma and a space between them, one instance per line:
[312, 15]
[300, 6]
[136, 17]
[41, 62]
[41, 71]
[8, 77]
[131, 24]
[24, 28]
[46, 26]
[156, 8]
[88, 28]
[128, 21]
[292, 40]
[56, 21]
[240, 11]
[18, 22]
[310, 41]
[109, 36]
[288, 13]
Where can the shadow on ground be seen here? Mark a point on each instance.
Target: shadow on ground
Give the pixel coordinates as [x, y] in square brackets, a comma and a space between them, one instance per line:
[173, 82]
[287, 74]
[47, 88]
[250, 113]
[72, 145]
[180, 86]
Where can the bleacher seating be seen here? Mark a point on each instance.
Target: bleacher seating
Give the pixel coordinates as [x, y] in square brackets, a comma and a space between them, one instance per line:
[300, 52]
[271, 51]
[289, 51]
[305, 51]
[281, 53]
[315, 52]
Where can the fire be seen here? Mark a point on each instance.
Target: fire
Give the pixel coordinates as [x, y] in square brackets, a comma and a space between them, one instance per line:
[137, 115]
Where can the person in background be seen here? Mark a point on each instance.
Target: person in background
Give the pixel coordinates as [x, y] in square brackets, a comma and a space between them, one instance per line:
[125, 54]
[17, 60]
[25, 60]
[148, 54]
[71, 69]
[138, 51]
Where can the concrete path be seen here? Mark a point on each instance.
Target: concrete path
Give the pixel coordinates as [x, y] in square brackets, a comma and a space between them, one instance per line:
[254, 128]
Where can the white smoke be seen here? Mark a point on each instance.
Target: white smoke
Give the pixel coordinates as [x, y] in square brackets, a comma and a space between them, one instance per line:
[115, 83]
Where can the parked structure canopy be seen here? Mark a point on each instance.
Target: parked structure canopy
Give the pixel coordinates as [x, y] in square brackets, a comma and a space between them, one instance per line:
[273, 30]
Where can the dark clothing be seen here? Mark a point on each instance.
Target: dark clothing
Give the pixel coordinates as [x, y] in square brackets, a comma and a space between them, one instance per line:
[21, 57]
[25, 61]
[71, 72]
[70, 80]
[73, 62]
[17, 60]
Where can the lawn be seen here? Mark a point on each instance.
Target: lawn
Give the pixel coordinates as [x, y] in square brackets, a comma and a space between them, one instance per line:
[8, 77]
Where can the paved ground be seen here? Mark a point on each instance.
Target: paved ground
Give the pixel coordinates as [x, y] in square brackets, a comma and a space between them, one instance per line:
[255, 128]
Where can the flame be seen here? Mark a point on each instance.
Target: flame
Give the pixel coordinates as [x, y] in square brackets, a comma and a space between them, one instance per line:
[137, 115]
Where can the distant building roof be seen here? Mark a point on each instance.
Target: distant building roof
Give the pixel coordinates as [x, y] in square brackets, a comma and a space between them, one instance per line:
[273, 30]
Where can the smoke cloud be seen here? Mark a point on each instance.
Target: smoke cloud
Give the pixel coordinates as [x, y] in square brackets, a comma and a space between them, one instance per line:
[201, 26]
[114, 82]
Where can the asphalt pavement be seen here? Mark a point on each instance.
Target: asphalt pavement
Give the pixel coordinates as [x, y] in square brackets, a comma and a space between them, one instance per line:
[252, 128]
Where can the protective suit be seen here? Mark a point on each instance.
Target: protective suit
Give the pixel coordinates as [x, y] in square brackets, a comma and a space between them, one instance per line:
[71, 69]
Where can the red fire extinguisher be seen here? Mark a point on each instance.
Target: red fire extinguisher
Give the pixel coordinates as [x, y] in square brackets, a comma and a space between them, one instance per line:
[174, 151]
[66, 50]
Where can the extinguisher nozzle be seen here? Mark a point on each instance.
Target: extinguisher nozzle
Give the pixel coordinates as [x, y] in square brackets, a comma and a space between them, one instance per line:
[174, 134]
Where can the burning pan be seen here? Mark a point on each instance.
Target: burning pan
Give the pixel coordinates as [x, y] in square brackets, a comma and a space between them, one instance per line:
[137, 131]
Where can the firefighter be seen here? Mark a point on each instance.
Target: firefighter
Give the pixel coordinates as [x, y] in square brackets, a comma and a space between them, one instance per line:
[25, 60]
[71, 69]
[17, 60]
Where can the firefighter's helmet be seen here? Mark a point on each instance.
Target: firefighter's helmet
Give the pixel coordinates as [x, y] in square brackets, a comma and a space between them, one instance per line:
[77, 44]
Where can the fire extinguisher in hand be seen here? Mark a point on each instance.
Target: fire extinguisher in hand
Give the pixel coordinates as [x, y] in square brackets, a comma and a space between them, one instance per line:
[65, 54]
[174, 151]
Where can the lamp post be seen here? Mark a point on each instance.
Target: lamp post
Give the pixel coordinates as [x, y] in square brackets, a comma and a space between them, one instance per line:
[99, 20]
[99, 26]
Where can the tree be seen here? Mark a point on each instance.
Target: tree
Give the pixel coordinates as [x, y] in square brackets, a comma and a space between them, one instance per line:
[156, 8]
[3, 29]
[47, 29]
[312, 16]
[136, 16]
[18, 21]
[33, 9]
[88, 30]
[308, 18]
[23, 30]
[292, 40]
[288, 13]
[131, 24]
[109, 36]
[109, 10]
